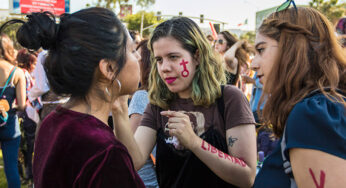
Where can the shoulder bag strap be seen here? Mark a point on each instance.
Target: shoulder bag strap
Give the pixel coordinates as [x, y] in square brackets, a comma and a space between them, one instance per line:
[287, 165]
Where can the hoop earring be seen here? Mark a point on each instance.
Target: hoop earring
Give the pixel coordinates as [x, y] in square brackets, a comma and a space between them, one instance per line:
[108, 92]
[119, 84]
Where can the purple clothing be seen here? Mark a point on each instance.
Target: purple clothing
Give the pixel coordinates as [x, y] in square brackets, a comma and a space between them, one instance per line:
[73, 149]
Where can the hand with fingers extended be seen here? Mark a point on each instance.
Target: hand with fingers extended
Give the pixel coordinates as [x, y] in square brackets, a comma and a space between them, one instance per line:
[179, 125]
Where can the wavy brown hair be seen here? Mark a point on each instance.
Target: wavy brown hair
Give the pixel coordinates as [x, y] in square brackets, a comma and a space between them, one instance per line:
[26, 59]
[309, 58]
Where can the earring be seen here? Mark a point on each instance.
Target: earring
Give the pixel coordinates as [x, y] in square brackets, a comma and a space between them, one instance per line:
[107, 92]
[119, 84]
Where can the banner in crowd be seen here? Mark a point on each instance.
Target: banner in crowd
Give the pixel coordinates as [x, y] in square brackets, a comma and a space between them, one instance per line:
[57, 7]
[125, 10]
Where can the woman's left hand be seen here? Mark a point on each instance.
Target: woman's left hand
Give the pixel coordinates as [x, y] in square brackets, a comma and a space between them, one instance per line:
[120, 108]
[180, 126]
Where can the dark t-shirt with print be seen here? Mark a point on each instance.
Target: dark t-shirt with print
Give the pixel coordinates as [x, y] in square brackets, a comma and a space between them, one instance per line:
[236, 112]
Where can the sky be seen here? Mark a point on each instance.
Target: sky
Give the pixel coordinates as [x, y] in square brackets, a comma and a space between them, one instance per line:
[232, 12]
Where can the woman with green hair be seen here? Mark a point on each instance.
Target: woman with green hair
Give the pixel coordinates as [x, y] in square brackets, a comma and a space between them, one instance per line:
[204, 131]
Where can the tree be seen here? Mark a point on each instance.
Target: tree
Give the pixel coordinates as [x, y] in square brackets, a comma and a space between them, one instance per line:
[112, 4]
[116, 3]
[134, 21]
[329, 8]
[249, 36]
[145, 3]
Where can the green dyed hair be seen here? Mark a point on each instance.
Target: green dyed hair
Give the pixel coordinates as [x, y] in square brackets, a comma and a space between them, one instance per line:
[209, 76]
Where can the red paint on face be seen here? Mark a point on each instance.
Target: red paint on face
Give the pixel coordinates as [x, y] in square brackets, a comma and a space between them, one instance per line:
[322, 178]
[185, 72]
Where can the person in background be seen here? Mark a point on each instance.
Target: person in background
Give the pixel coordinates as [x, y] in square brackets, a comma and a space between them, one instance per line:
[305, 88]
[90, 58]
[235, 55]
[266, 141]
[27, 61]
[12, 87]
[135, 37]
[139, 102]
[341, 32]
[9, 53]
[211, 40]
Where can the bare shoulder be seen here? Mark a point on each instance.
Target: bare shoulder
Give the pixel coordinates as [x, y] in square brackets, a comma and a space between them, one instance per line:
[18, 76]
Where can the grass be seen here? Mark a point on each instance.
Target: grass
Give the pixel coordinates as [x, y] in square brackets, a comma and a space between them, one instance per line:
[3, 181]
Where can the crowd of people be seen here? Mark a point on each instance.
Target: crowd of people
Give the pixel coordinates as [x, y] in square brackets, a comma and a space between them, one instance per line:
[90, 104]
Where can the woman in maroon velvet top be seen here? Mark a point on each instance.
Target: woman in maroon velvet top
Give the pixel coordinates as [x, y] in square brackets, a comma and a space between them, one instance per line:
[90, 55]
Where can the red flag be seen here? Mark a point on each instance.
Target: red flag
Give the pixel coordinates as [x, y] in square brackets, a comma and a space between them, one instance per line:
[213, 31]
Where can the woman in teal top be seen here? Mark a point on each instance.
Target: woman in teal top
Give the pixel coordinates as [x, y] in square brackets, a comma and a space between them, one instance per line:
[302, 68]
[12, 87]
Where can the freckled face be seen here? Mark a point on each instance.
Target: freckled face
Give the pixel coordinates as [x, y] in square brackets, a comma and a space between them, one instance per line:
[175, 65]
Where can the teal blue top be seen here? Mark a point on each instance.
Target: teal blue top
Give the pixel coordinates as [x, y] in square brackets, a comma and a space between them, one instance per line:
[314, 123]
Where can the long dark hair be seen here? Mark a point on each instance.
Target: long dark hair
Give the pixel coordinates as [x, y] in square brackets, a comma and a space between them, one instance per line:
[76, 46]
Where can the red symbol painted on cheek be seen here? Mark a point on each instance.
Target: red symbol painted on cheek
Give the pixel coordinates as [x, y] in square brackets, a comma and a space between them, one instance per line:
[185, 72]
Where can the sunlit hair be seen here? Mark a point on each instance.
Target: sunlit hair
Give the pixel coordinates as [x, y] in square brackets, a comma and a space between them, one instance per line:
[26, 59]
[309, 58]
[206, 84]
[4, 39]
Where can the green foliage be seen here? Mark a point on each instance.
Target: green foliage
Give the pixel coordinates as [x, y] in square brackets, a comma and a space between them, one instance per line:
[3, 181]
[110, 3]
[134, 21]
[249, 36]
[115, 3]
[330, 8]
[145, 3]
